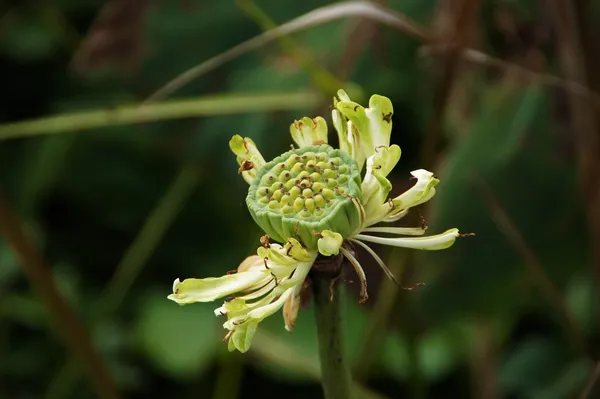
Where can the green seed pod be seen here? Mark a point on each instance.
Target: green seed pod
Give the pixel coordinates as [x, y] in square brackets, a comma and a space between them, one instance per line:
[310, 202]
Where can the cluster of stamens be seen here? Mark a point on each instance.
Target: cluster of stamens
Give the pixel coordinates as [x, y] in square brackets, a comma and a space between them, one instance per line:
[305, 185]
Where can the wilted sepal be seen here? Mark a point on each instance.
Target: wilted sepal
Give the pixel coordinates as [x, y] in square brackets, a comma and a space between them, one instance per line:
[430, 243]
[330, 243]
[374, 124]
[421, 192]
[375, 186]
[247, 156]
[208, 289]
[291, 307]
[307, 132]
[241, 337]
[243, 325]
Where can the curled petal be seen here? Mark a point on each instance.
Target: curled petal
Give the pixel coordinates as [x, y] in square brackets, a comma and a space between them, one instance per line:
[330, 243]
[374, 124]
[241, 337]
[375, 186]
[260, 313]
[431, 243]
[421, 192]
[247, 156]
[208, 289]
[307, 131]
[346, 140]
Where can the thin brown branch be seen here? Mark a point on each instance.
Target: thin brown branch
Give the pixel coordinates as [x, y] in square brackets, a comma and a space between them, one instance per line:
[484, 363]
[74, 335]
[532, 264]
[589, 385]
[456, 22]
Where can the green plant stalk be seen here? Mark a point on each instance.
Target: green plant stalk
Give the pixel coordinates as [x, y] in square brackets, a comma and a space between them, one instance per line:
[148, 239]
[153, 112]
[335, 372]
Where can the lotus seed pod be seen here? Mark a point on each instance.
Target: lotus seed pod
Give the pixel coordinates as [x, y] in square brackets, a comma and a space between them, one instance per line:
[310, 202]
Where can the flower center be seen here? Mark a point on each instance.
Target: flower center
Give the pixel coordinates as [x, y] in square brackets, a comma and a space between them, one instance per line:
[306, 189]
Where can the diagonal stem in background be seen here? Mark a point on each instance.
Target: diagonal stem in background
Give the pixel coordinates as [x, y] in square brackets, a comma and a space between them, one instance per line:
[530, 261]
[135, 258]
[371, 11]
[73, 334]
[454, 36]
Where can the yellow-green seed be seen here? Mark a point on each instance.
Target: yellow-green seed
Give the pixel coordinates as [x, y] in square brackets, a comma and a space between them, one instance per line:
[298, 204]
[309, 204]
[303, 175]
[285, 199]
[328, 194]
[285, 176]
[295, 191]
[318, 186]
[288, 209]
[307, 192]
[328, 173]
[288, 185]
[319, 200]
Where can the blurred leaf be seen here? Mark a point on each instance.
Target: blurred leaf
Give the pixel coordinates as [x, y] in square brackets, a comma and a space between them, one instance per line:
[395, 356]
[27, 38]
[437, 353]
[179, 340]
[531, 365]
[581, 299]
[9, 268]
[568, 382]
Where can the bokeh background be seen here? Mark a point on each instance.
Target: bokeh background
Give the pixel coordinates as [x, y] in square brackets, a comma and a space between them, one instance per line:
[104, 206]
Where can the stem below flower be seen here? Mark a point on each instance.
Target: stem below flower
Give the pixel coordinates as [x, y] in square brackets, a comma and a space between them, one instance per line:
[335, 372]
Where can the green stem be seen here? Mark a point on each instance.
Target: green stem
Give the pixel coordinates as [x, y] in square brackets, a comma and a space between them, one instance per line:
[335, 372]
[152, 112]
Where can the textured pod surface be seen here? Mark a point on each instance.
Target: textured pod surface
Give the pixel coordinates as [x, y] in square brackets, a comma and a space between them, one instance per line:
[305, 190]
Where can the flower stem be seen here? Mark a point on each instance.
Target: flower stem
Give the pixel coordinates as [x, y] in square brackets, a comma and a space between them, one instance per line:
[335, 372]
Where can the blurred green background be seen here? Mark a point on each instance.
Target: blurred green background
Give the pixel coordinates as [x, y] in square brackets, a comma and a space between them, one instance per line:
[117, 210]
